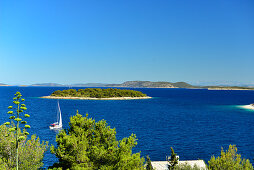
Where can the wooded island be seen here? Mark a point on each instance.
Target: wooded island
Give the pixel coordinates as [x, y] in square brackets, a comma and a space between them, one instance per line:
[97, 93]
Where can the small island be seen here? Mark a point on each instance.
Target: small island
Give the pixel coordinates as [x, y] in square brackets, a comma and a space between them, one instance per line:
[97, 94]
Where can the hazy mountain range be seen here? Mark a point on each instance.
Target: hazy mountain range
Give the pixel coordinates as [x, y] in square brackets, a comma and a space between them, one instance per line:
[1, 84]
[142, 84]
[133, 84]
[149, 84]
[71, 85]
[222, 83]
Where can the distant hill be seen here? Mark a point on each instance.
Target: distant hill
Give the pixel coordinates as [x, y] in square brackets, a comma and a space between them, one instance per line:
[183, 85]
[131, 84]
[89, 85]
[1, 84]
[149, 84]
[48, 84]
[71, 85]
[145, 84]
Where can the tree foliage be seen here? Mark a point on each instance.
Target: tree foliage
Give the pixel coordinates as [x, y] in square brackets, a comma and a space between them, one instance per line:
[229, 160]
[92, 145]
[16, 152]
[173, 160]
[31, 151]
[148, 163]
[98, 93]
[17, 117]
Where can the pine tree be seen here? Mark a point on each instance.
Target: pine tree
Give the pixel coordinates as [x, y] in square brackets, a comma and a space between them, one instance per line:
[229, 160]
[173, 160]
[148, 163]
[92, 145]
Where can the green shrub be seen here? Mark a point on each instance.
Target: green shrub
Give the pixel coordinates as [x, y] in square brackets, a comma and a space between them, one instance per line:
[16, 152]
[92, 145]
[173, 160]
[148, 163]
[31, 151]
[229, 160]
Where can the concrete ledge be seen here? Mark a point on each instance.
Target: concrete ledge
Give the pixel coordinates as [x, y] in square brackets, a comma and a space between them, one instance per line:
[163, 165]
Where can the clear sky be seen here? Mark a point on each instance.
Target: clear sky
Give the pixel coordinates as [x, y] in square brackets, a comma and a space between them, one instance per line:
[112, 41]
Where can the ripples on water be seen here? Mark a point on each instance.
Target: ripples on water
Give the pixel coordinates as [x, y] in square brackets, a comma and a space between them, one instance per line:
[196, 123]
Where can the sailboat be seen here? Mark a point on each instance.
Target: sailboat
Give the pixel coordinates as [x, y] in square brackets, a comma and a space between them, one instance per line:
[58, 124]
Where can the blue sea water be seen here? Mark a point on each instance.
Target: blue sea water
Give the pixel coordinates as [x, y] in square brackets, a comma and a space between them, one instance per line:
[195, 122]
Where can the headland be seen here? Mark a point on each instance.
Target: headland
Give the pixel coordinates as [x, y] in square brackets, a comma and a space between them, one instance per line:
[250, 106]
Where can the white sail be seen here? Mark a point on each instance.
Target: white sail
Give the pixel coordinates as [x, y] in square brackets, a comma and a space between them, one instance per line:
[58, 124]
[60, 117]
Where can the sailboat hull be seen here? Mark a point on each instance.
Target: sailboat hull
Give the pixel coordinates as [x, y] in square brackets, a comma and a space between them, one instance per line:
[58, 124]
[55, 127]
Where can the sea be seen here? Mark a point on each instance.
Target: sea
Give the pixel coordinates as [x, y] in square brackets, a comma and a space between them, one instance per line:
[197, 123]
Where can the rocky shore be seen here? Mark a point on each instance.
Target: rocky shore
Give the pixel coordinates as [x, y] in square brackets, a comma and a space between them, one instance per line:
[90, 98]
[250, 106]
[228, 89]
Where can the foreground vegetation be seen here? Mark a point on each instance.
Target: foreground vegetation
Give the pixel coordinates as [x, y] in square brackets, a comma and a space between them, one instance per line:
[16, 150]
[88, 145]
[98, 93]
[229, 160]
[30, 154]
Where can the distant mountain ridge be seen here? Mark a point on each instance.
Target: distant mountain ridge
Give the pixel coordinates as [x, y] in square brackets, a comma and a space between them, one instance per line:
[131, 84]
[89, 85]
[183, 85]
[70, 85]
[48, 84]
[2, 84]
[143, 84]
[149, 84]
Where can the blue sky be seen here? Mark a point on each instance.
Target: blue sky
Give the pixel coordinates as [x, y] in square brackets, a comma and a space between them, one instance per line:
[113, 41]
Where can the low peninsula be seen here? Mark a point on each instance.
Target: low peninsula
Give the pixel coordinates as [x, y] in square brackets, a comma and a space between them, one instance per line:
[250, 106]
[228, 88]
[97, 94]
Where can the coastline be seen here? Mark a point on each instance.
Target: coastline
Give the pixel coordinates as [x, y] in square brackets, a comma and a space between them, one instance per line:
[90, 98]
[248, 107]
[4, 85]
[227, 89]
[144, 87]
